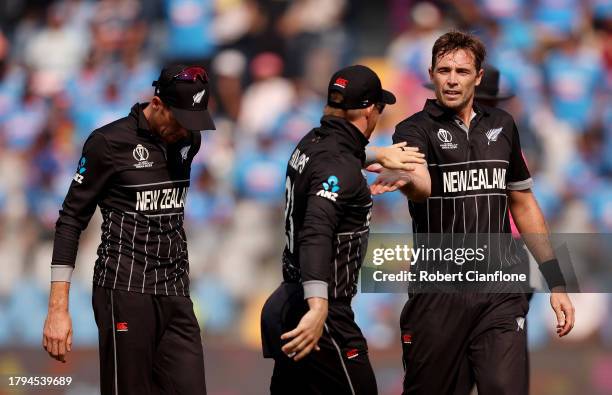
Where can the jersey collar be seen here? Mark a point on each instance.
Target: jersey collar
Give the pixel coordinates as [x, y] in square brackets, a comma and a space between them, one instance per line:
[437, 111]
[142, 125]
[137, 112]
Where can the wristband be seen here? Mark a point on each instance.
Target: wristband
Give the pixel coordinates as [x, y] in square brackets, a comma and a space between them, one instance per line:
[61, 273]
[552, 273]
[315, 289]
[370, 156]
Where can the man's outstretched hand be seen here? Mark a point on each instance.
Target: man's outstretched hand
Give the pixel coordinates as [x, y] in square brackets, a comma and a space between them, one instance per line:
[390, 181]
[398, 157]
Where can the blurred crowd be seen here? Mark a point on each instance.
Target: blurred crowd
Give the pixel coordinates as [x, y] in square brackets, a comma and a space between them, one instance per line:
[69, 66]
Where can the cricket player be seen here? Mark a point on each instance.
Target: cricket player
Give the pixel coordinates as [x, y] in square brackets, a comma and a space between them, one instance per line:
[137, 170]
[308, 325]
[460, 139]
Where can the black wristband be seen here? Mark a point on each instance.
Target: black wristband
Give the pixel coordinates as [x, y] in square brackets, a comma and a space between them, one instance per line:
[552, 273]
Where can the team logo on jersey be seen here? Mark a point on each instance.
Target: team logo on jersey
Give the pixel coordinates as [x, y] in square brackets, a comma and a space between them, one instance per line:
[407, 338]
[185, 152]
[141, 154]
[78, 176]
[197, 98]
[122, 326]
[492, 134]
[330, 189]
[446, 138]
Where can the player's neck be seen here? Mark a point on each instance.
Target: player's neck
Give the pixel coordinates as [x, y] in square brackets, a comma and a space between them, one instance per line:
[362, 125]
[465, 113]
[148, 115]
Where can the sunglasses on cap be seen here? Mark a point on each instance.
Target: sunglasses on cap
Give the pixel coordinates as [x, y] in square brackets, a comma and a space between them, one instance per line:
[191, 74]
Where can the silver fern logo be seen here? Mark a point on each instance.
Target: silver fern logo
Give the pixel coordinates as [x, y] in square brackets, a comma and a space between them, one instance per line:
[492, 134]
[185, 152]
[197, 98]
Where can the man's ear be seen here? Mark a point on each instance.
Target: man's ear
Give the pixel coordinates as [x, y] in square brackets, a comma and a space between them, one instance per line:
[479, 75]
[157, 103]
[369, 109]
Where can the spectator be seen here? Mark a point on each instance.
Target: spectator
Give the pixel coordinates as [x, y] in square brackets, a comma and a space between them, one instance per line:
[190, 37]
[54, 54]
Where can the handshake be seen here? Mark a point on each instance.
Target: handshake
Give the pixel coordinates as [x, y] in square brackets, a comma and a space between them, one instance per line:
[398, 167]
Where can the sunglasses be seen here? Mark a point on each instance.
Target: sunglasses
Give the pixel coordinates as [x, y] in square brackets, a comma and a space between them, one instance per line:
[380, 107]
[192, 74]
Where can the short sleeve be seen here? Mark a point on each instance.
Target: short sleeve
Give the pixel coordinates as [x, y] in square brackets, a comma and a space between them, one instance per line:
[413, 136]
[517, 177]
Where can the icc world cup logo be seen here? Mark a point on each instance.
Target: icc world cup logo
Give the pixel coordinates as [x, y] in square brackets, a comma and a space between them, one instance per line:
[445, 136]
[140, 153]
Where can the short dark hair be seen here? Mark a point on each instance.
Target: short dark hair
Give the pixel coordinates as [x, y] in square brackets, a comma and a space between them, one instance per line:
[455, 40]
[336, 97]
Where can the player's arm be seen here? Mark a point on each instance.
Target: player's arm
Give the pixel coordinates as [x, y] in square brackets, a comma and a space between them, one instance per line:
[323, 213]
[316, 251]
[394, 157]
[531, 224]
[415, 183]
[79, 205]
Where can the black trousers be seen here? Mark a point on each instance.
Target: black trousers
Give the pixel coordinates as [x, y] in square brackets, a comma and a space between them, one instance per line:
[149, 344]
[451, 341]
[342, 366]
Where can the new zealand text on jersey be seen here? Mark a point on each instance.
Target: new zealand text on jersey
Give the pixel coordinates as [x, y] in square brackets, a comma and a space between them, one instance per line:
[474, 180]
[161, 198]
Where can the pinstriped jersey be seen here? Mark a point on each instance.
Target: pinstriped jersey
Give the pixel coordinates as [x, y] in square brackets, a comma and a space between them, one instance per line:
[140, 184]
[471, 169]
[328, 205]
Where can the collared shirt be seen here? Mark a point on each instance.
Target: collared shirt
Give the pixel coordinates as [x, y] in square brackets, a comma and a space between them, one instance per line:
[472, 169]
[140, 184]
[327, 210]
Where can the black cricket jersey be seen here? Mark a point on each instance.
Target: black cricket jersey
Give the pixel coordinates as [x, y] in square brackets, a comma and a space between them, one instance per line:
[472, 169]
[328, 207]
[140, 184]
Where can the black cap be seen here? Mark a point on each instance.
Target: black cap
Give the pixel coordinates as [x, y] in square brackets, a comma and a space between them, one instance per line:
[360, 88]
[185, 90]
[489, 86]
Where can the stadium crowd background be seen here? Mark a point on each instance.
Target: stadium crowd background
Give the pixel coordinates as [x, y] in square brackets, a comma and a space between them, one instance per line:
[69, 66]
